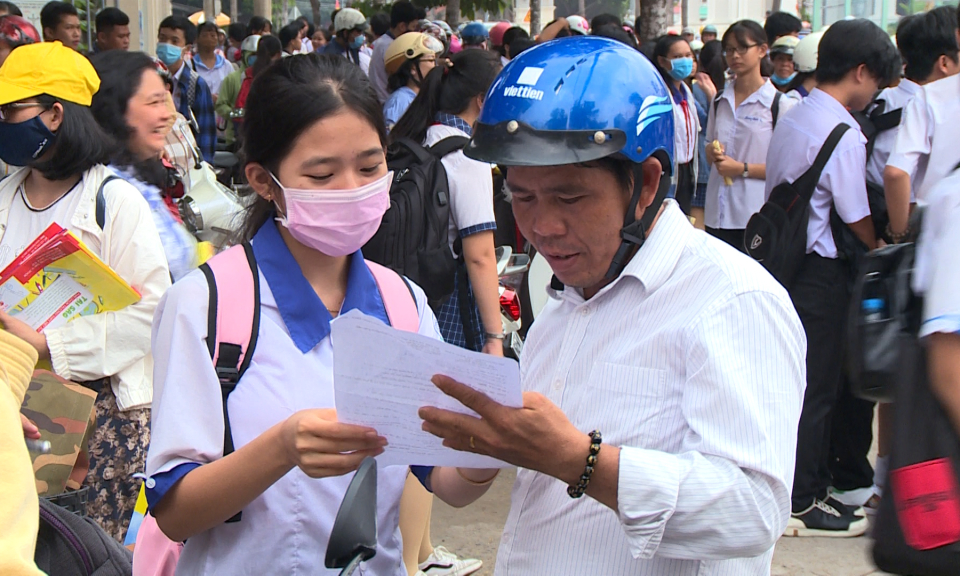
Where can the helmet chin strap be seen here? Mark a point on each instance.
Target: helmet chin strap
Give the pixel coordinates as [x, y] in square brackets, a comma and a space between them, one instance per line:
[634, 232]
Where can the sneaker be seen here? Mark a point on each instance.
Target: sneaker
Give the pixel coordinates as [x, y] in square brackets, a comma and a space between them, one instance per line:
[442, 562]
[845, 509]
[821, 519]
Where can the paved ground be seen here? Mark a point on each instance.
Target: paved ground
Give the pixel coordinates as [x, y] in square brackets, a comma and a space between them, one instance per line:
[475, 531]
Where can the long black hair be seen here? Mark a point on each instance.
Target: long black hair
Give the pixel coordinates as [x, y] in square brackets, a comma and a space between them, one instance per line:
[713, 64]
[448, 88]
[81, 144]
[267, 48]
[120, 75]
[277, 114]
[408, 71]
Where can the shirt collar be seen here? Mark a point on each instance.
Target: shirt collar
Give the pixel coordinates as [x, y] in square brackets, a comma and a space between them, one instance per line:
[220, 60]
[304, 314]
[831, 104]
[657, 258]
[765, 95]
[179, 72]
[909, 86]
[454, 121]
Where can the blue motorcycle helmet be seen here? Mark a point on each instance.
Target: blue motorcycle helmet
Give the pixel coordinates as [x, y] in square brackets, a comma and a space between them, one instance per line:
[474, 33]
[577, 100]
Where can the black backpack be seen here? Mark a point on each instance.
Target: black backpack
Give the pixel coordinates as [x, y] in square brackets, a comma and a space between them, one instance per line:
[777, 235]
[71, 545]
[872, 124]
[413, 238]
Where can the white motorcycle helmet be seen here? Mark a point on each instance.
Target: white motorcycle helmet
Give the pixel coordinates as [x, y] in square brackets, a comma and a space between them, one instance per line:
[579, 25]
[805, 54]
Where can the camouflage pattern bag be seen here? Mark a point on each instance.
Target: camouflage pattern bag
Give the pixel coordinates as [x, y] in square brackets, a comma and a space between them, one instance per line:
[64, 413]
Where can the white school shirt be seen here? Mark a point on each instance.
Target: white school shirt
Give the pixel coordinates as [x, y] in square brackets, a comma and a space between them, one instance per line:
[471, 188]
[896, 97]
[687, 126]
[938, 260]
[285, 529]
[745, 133]
[795, 144]
[926, 145]
[25, 222]
[703, 402]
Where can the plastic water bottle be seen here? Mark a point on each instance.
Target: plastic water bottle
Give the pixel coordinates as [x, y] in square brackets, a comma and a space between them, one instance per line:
[874, 309]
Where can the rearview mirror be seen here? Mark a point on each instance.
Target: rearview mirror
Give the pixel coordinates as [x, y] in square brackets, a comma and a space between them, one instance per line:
[354, 536]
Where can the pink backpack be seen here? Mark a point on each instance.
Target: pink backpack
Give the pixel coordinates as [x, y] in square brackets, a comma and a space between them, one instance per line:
[233, 323]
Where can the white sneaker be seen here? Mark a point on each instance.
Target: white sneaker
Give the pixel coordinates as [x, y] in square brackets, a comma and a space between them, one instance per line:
[445, 563]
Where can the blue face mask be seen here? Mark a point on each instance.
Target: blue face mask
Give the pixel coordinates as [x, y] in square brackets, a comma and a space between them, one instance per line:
[778, 81]
[168, 53]
[357, 42]
[251, 60]
[681, 68]
[23, 143]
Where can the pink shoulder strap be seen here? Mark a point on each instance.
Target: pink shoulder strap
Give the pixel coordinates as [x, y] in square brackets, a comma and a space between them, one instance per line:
[236, 300]
[397, 298]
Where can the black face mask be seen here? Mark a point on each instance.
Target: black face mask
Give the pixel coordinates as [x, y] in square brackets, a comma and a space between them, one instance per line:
[23, 143]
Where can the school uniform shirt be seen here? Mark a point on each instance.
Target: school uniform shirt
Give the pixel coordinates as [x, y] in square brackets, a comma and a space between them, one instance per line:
[798, 93]
[895, 98]
[938, 260]
[745, 132]
[687, 124]
[702, 400]
[111, 344]
[793, 148]
[284, 530]
[926, 145]
[378, 71]
[471, 212]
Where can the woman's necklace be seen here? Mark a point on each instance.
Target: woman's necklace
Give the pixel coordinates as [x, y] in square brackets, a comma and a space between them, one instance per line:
[334, 313]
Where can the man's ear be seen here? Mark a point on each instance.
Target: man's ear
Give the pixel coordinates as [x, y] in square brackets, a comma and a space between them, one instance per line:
[652, 172]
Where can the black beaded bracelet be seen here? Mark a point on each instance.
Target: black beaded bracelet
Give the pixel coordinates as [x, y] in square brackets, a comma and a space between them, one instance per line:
[581, 487]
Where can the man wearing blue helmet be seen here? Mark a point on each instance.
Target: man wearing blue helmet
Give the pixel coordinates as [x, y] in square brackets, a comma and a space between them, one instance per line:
[475, 35]
[682, 356]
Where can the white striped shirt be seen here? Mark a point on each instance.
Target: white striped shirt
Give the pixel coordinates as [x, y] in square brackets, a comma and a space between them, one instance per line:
[693, 363]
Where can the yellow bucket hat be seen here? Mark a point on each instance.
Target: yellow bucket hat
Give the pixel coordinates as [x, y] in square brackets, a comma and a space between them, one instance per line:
[48, 68]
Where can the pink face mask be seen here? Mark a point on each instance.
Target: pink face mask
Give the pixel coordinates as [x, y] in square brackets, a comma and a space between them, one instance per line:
[335, 222]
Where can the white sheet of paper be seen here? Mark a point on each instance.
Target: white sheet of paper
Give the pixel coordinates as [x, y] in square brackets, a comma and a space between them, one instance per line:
[381, 378]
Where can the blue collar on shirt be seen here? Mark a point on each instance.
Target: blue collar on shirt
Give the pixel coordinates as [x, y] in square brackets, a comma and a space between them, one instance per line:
[303, 313]
[454, 121]
[220, 61]
[803, 91]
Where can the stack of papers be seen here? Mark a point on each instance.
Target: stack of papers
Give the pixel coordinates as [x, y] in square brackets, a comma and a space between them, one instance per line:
[381, 378]
[56, 279]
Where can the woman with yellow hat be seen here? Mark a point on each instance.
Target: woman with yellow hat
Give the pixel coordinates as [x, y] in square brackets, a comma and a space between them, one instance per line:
[47, 128]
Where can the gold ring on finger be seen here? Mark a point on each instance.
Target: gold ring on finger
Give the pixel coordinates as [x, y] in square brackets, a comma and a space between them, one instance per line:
[473, 445]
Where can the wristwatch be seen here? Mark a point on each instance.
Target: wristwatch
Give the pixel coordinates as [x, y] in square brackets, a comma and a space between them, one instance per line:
[746, 170]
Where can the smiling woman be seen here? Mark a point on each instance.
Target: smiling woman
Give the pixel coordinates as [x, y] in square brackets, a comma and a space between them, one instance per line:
[135, 113]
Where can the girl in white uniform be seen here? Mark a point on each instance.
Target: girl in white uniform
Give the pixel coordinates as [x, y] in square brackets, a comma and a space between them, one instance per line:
[674, 58]
[293, 460]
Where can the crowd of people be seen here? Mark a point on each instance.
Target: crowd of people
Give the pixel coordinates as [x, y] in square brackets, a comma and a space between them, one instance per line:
[699, 403]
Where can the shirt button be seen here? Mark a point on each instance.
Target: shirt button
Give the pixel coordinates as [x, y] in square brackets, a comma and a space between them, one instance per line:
[557, 384]
[585, 311]
[151, 483]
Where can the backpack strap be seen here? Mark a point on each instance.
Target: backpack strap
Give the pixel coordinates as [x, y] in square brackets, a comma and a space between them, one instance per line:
[775, 108]
[233, 322]
[192, 89]
[448, 145]
[807, 182]
[102, 201]
[716, 101]
[398, 298]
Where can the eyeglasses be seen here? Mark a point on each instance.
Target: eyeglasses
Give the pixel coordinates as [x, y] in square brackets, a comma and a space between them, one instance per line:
[7, 109]
[740, 50]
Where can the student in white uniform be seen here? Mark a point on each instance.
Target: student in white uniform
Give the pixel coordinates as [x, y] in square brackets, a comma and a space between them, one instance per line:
[925, 150]
[674, 58]
[742, 120]
[449, 102]
[293, 460]
[856, 59]
[938, 267]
